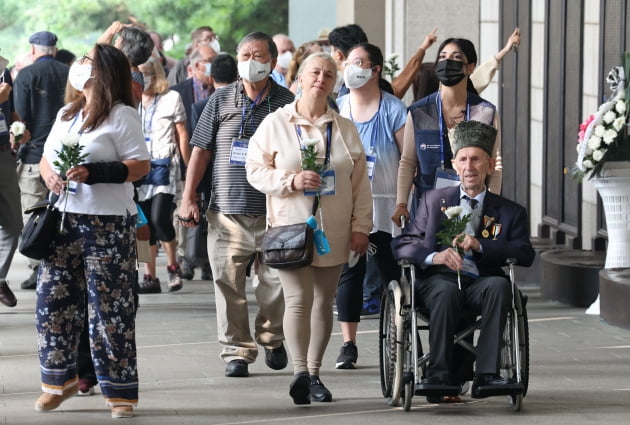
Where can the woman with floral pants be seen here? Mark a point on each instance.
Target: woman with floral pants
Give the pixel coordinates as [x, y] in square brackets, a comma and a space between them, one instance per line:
[94, 256]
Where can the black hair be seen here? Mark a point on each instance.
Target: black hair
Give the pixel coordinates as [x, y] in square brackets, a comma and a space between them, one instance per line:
[136, 44]
[375, 56]
[343, 38]
[224, 69]
[468, 49]
[260, 36]
[65, 56]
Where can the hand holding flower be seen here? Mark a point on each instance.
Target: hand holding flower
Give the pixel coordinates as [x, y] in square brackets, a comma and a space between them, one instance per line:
[18, 134]
[307, 180]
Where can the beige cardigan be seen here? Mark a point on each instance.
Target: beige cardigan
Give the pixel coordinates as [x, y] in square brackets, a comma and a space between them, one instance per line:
[274, 159]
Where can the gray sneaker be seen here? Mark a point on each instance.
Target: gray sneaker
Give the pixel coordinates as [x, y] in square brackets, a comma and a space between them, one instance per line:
[174, 278]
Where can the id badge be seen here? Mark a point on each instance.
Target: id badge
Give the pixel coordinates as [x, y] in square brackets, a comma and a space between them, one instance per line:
[3, 124]
[469, 268]
[327, 187]
[238, 152]
[371, 163]
[445, 178]
[73, 187]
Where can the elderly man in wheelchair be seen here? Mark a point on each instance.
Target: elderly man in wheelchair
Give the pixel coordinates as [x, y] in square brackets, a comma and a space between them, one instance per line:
[466, 273]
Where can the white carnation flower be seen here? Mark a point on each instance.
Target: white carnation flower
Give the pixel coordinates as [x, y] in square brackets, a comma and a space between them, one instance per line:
[620, 106]
[619, 123]
[310, 142]
[609, 117]
[70, 140]
[452, 212]
[599, 130]
[599, 154]
[609, 136]
[17, 128]
[587, 164]
[594, 142]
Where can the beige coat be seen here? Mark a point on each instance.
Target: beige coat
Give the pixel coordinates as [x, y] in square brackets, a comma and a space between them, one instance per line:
[274, 159]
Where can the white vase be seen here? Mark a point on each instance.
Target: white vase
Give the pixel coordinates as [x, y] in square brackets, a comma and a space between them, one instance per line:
[614, 188]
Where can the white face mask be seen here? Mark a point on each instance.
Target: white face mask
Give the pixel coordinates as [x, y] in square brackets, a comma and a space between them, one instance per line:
[253, 71]
[79, 74]
[208, 71]
[147, 81]
[3, 65]
[214, 44]
[285, 59]
[355, 76]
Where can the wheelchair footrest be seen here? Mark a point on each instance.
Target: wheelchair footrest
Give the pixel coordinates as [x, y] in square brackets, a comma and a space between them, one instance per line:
[497, 390]
[437, 390]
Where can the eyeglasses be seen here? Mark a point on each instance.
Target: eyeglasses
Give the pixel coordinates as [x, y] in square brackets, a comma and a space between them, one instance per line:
[85, 58]
[357, 62]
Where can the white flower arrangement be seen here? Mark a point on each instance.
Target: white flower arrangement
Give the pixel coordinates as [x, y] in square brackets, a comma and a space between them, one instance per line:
[602, 133]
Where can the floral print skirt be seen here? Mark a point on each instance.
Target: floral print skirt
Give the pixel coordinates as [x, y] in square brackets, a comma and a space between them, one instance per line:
[92, 271]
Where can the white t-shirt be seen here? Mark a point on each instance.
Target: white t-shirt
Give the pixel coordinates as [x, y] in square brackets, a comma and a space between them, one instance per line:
[118, 138]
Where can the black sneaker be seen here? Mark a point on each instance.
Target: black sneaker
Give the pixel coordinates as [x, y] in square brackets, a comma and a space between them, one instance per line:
[318, 391]
[31, 282]
[206, 272]
[347, 356]
[188, 272]
[149, 285]
[276, 358]
[237, 368]
[371, 308]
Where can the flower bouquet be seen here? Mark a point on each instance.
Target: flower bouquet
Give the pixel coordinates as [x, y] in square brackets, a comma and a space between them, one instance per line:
[70, 156]
[454, 226]
[603, 136]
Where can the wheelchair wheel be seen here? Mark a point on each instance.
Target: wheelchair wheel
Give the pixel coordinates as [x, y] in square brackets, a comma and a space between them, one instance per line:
[509, 361]
[387, 342]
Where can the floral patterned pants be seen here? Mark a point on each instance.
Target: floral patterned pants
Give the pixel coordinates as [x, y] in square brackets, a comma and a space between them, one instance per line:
[97, 254]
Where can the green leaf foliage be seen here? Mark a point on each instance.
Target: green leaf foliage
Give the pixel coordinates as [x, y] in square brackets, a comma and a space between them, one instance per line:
[78, 23]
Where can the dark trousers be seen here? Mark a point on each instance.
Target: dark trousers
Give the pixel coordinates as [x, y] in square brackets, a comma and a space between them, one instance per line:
[350, 289]
[490, 296]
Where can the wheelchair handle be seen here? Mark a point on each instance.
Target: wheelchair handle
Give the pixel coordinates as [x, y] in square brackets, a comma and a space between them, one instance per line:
[403, 221]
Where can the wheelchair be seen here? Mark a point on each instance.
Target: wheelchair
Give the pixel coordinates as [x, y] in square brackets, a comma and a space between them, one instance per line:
[402, 360]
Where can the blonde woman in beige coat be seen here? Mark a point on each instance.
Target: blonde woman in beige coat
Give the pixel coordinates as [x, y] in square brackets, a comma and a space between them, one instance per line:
[274, 166]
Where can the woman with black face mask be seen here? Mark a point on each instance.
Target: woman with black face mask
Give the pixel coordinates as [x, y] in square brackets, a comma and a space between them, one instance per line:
[427, 154]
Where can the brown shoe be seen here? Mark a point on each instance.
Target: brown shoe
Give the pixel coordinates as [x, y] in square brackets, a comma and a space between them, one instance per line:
[48, 401]
[6, 295]
[122, 412]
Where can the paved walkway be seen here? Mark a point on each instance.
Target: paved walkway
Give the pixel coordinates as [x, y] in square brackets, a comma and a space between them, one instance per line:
[580, 373]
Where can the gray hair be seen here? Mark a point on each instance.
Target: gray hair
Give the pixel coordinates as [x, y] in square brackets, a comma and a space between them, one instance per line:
[47, 50]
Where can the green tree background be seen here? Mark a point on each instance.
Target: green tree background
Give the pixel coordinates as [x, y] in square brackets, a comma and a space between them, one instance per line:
[78, 23]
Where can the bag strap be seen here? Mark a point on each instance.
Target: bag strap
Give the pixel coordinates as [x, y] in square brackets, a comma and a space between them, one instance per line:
[315, 205]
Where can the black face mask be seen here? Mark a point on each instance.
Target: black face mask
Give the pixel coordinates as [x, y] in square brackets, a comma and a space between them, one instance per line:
[450, 72]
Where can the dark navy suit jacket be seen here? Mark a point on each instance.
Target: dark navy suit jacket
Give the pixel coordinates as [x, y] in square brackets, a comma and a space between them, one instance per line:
[509, 240]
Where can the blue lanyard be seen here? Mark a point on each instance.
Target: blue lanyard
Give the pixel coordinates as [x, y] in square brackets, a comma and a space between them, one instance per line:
[144, 116]
[441, 121]
[252, 105]
[375, 128]
[328, 141]
[74, 122]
